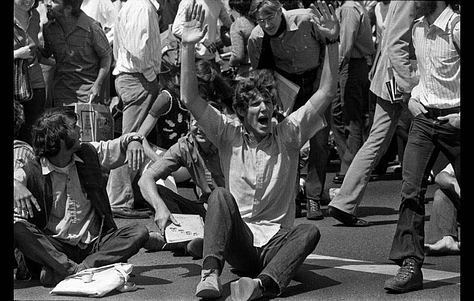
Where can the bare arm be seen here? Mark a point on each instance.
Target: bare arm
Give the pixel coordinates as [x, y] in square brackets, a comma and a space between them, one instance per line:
[328, 25]
[193, 31]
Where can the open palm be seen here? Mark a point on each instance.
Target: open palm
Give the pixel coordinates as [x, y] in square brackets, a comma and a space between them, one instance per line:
[193, 31]
[325, 19]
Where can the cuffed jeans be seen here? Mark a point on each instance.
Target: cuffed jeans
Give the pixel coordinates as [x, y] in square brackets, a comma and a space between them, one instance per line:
[228, 238]
[138, 96]
[358, 175]
[65, 259]
[426, 139]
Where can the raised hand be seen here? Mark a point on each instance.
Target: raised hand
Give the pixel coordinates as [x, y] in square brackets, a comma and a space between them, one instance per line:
[325, 19]
[193, 31]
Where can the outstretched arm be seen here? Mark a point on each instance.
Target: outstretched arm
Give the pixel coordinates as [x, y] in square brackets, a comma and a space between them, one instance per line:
[193, 31]
[328, 25]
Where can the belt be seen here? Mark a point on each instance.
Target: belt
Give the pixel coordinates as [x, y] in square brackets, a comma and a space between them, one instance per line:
[307, 75]
[435, 113]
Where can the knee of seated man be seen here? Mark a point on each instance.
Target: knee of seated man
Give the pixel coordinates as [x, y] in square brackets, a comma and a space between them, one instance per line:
[219, 196]
[310, 232]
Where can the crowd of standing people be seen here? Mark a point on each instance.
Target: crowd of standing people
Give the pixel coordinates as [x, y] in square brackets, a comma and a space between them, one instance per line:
[197, 84]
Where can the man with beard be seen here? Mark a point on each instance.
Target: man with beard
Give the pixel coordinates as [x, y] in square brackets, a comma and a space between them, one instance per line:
[73, 229]
[81, 50]
[436, 106]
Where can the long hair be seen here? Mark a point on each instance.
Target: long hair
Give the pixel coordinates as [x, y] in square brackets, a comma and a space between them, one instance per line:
[260, 82]
[50, 128]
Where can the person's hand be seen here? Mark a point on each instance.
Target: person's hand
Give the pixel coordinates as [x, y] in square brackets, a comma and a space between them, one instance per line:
[135, 155]
[453, 119]
[325, 19]
[416, 107]
[22, 200]
[94, 94]
[162, 218]
[193, 31]
[24, 52]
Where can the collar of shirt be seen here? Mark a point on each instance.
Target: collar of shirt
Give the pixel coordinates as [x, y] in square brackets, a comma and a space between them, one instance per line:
[47, 167]
[442, 21]
[155, 4]
[290, 26]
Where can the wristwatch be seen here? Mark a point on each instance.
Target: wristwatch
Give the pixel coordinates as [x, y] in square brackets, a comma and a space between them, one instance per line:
[135, 137]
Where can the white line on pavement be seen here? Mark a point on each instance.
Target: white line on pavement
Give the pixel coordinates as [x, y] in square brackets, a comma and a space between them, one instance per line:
[384, 269]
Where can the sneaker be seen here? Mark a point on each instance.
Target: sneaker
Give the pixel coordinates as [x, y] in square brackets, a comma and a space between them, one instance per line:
[408, 278]
[194, 248]
[313, 208]
[246, 289]
[210, 285]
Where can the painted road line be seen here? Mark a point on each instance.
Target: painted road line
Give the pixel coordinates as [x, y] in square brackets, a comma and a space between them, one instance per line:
[384, 269]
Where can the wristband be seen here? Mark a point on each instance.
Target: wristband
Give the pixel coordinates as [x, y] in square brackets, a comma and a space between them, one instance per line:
[329, 42]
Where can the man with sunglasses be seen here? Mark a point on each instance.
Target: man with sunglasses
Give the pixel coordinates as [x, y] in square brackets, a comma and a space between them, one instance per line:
[290, 43]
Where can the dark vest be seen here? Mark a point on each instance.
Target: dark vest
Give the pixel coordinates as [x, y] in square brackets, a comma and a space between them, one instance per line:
[92, 182]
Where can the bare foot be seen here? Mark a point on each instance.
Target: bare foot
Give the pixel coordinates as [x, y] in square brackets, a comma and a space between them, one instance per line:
[445, 246]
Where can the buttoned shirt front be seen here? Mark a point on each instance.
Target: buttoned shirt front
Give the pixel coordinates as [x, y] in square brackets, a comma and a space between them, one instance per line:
[137, 43]
[78, 54]
[261, 175]
[205, 169]
[72, 218]
[438, 62]
[297, 49]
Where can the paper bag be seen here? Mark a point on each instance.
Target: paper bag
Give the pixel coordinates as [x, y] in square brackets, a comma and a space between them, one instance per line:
[95, 120]
[104, 280]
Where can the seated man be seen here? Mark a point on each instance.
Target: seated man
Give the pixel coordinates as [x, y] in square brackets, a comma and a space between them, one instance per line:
[443, 225]
[200, 158]
[74, 228]
[249, 223]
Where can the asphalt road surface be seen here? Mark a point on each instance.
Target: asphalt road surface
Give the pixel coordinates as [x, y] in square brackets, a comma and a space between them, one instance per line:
[348, 263]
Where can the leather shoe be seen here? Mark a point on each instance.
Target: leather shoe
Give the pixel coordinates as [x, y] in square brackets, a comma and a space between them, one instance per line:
[347, 218]
[408, 278]
[124, 212]
[338, 179]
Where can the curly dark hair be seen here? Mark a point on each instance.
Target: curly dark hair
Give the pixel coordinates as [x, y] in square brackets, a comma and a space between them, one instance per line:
[52, 127]
[18, 117]
[259, 82]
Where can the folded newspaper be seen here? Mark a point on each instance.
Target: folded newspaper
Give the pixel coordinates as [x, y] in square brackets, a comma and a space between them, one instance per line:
[191, 226]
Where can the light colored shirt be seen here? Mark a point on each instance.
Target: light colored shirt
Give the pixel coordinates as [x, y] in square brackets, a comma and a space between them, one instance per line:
[356, 32]
[297, 49]
[72, 218]
[205, 169]
[215, 11]
[137, 42]
[439, 63]
[104, 12]
[261, 176]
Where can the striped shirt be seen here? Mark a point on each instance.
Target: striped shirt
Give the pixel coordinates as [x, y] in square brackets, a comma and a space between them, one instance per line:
[438, 61]
[137, 43]
[78, 54]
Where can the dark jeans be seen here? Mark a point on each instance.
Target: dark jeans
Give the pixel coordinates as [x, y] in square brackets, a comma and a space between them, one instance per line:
[228, 238]
[350, 110]
[65, 259]
[426, 139]
[179, 204]
[319, 148]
